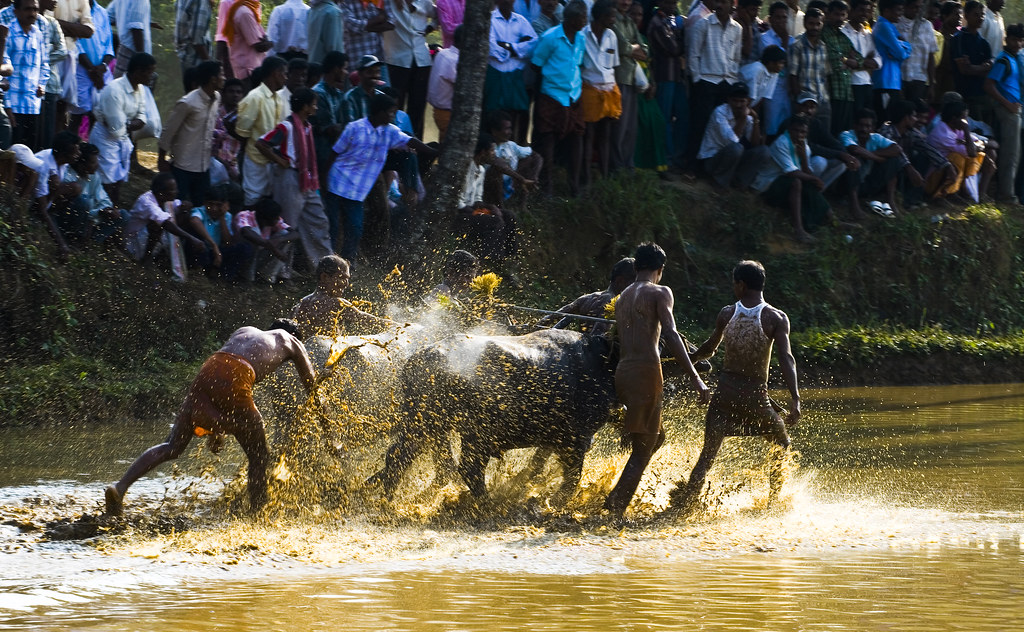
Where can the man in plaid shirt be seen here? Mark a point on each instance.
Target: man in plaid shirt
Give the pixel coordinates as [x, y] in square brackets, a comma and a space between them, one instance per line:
[365, 20]
[808, 64]
[192, 32]
[843, 59]
[27, 49]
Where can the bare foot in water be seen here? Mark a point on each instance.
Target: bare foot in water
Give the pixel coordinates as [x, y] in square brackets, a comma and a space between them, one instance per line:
[115, 502]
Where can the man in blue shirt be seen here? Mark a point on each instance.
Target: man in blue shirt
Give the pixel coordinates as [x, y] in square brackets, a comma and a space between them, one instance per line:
[881, 161]
[558, 113]
[1003, 85]
[888, 79]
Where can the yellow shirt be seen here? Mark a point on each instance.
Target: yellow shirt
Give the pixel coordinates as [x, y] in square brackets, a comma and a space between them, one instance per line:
[258, 113]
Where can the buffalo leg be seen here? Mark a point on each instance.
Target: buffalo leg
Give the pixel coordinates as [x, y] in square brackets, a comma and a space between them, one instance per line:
[572, 470]
[472, 466]
[399, 457]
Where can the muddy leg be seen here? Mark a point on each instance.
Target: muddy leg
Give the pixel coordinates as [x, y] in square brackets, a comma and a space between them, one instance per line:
[713, 438]
[778, 457]
[539, 460]
[177, 441]
[254, 442]
[644, 446]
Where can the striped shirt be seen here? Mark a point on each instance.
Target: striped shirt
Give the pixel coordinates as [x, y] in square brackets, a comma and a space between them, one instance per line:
[359, 41]
[192, 27]
[362, 150]
[921, 36]
[28, 55]
[715, 50]
[809, 64]
[512, 30]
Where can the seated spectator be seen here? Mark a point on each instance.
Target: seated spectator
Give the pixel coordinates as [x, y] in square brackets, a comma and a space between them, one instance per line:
[53, 196]
[295, 182]
[791, 180]
[733, 145]
[484, 160]
[226, 146]
[107, 221]
[821, 140]
[24, 168]
[929, 161]
[1003, 85]
[951, 136]
[460, 268]
[212, 224]
[151, 219]
[523, 160]
[881, 163]
[267, 242]
[762, 77]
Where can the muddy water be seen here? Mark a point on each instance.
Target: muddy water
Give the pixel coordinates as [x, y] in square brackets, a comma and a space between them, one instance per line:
[906, 512]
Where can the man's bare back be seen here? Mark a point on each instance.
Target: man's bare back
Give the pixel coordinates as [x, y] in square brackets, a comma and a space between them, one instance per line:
[267, 350]
[638, 322]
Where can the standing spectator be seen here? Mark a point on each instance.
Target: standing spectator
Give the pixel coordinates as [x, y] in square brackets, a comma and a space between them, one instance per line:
[993, 29]
[714, 49]
[761, 78]
[93, 69]
[558, 113]
[289, 148]
[668, 62]
[441, 87]
[133, 19]
[1003, 84]
[357, 99]
[549, 16]
[796, 18]
[808, 66]
[733, 144]
[247, 41]
[192, 32]
[449, 18]
[55, 86]
[298, 68]
[364, 22]
[843, 60]
[888, 80]
[329, 118]
[919, 69]
[746, 15]
[226, 147]
[362, 150]
[881, 161]
[258, 113]
[187, 136]
[601, 97]
[858, 30]
[529, 9]
[28, 52]
[325, 30]
[951, 15]
[631, 51]
[121, 110]
[75, 20]
[973, 58]
[512, 42]
[777, 106]
[408, 56]
[288, 29]
[220, 41]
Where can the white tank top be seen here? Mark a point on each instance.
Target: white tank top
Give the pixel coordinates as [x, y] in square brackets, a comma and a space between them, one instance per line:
[748, 350]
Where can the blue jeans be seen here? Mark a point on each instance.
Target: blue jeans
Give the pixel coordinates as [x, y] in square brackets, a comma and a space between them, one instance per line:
[674, 104]
[350, 213]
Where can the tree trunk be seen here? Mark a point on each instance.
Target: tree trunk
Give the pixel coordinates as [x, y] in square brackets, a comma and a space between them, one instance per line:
[448, 176]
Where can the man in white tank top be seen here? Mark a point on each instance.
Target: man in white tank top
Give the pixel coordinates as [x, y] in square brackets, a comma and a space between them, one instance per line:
[740, 405]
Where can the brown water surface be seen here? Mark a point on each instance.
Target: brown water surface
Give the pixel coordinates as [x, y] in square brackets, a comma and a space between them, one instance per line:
[906, 513]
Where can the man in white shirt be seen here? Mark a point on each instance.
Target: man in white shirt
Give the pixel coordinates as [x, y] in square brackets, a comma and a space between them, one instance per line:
[733, 145]
[287, 29]
[856, 29]
[512, 42]
[408, 57]
[441, 86]
[602, 100]
[714, 50]
[993, 29]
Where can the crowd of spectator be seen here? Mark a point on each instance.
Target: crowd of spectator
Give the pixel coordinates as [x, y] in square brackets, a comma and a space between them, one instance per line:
[290, 122]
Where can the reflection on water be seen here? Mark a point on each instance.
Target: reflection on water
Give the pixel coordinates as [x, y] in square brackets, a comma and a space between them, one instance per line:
[907, 513]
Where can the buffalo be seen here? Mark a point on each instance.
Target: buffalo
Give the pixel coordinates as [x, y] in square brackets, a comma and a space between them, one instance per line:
[550, 389]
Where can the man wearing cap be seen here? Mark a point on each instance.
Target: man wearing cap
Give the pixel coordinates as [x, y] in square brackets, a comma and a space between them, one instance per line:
[357, 99]
[733, 145]
[820, 139]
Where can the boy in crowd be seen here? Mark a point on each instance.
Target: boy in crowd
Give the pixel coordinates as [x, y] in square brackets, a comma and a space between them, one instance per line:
[106, 219]
[225, 147]
[149, 219]
[881, 160]
[1003, 85]
[762, 77]
[267, 242]
[526, 162]
[777, 107]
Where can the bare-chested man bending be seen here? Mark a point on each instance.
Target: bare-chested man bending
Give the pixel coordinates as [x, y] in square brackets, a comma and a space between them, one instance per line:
[219, 402]
[325, 312]
[741, 406]
[643, 315]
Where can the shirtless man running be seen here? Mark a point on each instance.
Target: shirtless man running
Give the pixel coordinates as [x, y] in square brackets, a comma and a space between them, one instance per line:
[325, 312]
[643, 314]
[741, 406]
[220, 402]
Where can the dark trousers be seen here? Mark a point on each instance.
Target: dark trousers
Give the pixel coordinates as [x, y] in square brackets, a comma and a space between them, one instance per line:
[863, 97]
[350, 214]
[47, 121]
[192, 185]
[705, 97]
[883, 101]
[26, 130]
[410, 84]
[842, 117]
[914, 90]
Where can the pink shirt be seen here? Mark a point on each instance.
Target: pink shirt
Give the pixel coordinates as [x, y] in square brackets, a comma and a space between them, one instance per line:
[248, 219]
[244, 58]
[450, 14]
[946, 139]
[441, 85]
[222, 18]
